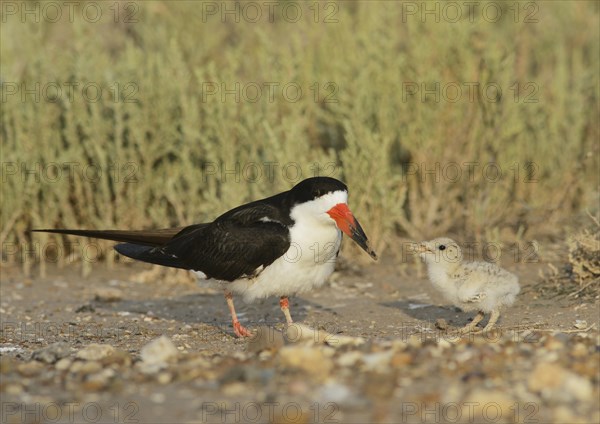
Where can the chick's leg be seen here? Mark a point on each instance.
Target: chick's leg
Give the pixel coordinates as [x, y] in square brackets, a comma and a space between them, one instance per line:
[493, 318]
[471, 326]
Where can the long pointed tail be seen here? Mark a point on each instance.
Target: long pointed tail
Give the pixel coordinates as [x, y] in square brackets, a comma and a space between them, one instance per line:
[146, 238]
[142, 245]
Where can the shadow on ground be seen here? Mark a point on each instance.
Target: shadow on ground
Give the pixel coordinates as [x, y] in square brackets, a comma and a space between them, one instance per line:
[210, 309]
[431, 313]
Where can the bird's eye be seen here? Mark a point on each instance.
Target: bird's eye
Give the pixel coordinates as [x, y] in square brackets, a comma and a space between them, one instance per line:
[442, 247]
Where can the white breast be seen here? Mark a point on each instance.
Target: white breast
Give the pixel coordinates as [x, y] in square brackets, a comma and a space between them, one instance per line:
[308, 263]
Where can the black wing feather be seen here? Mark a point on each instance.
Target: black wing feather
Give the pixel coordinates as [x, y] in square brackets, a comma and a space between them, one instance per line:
[234, 245]
[149, 254]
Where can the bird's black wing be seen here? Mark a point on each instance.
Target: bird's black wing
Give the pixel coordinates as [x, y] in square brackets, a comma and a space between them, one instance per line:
[238, 244]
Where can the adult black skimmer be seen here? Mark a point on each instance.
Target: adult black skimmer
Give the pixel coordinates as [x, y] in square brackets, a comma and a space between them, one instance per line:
[281, 245]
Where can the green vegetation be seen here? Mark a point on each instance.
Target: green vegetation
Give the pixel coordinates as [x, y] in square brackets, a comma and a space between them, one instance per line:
[417, 166]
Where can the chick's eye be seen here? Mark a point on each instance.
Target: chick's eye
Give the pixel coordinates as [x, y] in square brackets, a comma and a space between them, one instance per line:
[442, 247]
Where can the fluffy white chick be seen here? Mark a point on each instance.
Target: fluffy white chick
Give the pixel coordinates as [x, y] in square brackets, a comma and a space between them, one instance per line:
[472, 286]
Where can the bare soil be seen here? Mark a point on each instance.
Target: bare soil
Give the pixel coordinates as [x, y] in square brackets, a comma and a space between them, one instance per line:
[405, 366]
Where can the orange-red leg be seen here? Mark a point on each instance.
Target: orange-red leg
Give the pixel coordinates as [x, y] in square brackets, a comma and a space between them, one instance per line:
[238, 328]
[284, 303]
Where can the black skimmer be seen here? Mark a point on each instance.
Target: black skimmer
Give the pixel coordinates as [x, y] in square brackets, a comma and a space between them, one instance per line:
[278, 246]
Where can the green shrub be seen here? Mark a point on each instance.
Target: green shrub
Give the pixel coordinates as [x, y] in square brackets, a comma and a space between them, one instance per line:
[163, 157]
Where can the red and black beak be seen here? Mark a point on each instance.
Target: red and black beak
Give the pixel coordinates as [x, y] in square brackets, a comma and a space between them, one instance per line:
[346, 222]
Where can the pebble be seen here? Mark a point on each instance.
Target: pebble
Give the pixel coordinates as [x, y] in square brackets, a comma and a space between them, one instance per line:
[349, 359]
[13, 389]
[85, 367]
[63, 364]
[108, 294]
[441, 324]
[339, 394]
[117, 358]
[6, 364]
[557, 384]
[159, 351]
[401, 359]
[313, 360]
[30, 369]
[94, 352]
[164, 378]
[98, 380]
[579, 350]
[379, 361]
[52, 353]
[489, 403]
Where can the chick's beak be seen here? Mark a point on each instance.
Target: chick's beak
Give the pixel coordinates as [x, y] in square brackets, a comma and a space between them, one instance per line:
[346, 222]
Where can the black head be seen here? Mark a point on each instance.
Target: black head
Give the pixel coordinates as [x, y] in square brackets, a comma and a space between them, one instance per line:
[324, 200]
[313, 188]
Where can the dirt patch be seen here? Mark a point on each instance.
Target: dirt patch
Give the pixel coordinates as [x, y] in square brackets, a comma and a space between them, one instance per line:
[72, 351]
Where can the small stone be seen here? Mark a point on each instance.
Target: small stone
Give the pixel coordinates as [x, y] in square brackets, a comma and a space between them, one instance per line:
[481, 399]
[98, 380]
[339, 340]
[379, 361]
[7, 364]
[401, 359]
[30, 369]
[441, 324]
[554, 343]
[380, 385]
[557, 384]
[580, 324]
[564, 414]
[118, 358]
[336, 393]
[95, 352]
[52, 353]
[349, 359]
[579, 350]
[108, 294]
[85, 368]
[63, 364]
[414, 341]
[159, 351]
[164, 378]
[235, 389]
[13, 389]
[85, 308]
[312, 360]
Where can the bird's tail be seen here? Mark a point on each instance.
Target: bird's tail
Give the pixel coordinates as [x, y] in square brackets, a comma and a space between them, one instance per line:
[143, 245]
[142, 237]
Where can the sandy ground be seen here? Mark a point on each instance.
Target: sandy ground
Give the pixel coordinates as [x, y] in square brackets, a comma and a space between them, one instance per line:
[378, 357]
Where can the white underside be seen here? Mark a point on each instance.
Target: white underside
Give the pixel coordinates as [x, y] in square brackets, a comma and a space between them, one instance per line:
[307, 264]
